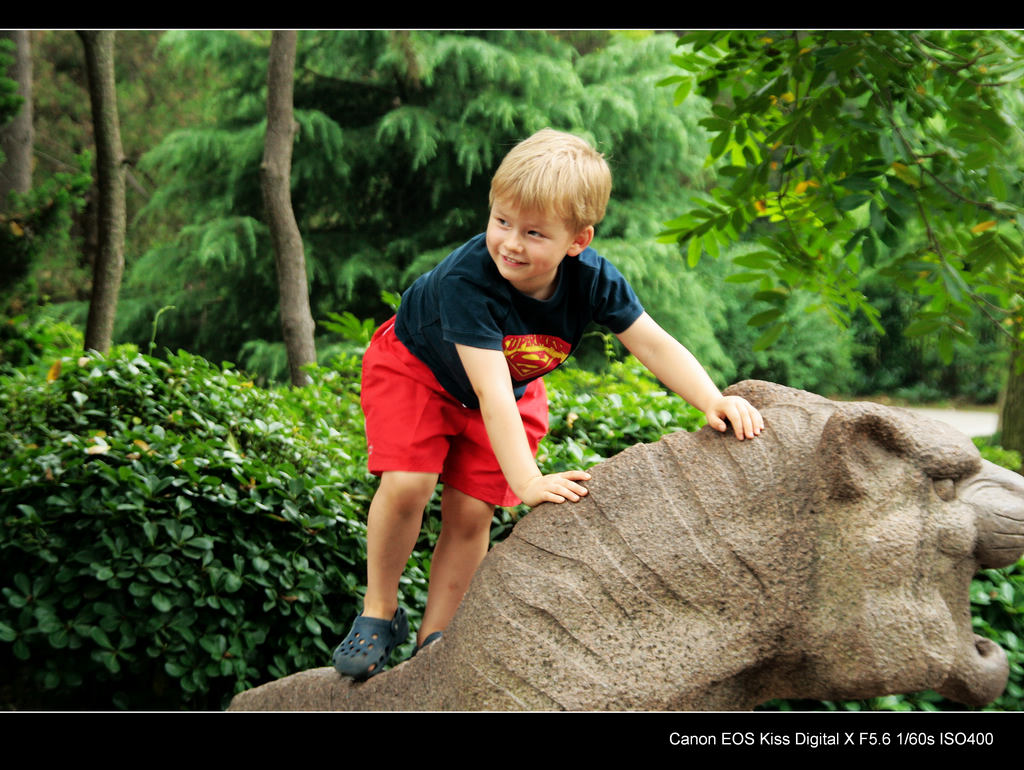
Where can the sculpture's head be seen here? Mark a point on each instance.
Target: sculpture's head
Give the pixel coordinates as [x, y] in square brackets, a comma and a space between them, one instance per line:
[902, 511]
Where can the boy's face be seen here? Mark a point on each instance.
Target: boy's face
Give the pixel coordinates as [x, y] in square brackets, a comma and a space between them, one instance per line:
[527, 247]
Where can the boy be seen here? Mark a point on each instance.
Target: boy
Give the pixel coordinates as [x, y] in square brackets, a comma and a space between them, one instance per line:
[451, 387]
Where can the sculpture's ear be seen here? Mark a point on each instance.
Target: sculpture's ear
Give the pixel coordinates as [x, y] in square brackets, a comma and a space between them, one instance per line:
[858, 440]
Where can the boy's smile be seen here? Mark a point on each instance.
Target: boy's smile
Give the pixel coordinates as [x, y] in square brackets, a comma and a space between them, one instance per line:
[527, 247]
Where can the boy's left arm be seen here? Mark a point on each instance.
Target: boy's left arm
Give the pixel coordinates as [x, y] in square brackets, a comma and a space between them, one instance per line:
[676, 366]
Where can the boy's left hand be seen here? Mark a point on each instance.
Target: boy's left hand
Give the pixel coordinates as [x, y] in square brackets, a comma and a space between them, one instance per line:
[746, 421]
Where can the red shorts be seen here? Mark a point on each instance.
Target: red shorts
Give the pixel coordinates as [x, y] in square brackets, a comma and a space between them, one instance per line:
[414, 424]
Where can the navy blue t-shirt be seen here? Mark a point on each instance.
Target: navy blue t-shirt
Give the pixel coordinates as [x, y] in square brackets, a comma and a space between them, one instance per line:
[465, 300]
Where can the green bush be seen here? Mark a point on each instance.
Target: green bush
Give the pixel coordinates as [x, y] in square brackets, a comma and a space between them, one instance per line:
[596, 415]
[171, 533]
[34, 344]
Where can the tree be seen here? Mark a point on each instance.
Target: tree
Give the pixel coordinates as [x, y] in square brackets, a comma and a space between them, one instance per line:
[16, 135]
[849, 155]
[110, 175]
[1011, 418]
[275, 176]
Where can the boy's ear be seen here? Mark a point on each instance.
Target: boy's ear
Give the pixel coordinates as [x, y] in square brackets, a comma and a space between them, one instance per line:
[581, 241]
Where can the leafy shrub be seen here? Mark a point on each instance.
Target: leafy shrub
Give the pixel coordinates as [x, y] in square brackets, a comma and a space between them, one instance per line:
[1007, 458]
[26, 343]
[169, 535]
[596, 415]
[997, 601]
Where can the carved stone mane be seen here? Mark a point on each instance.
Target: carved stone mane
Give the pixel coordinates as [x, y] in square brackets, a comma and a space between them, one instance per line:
[830, 558]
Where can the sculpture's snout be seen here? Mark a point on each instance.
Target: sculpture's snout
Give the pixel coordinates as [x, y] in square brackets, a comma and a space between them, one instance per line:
[998, 496]
[980, 676]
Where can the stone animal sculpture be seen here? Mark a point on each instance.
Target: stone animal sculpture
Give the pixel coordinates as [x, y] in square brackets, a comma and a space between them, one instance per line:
[829, 558]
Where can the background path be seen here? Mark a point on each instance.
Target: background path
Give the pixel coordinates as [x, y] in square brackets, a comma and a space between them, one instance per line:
[968, 421]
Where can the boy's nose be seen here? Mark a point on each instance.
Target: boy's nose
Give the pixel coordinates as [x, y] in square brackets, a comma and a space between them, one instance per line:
[513, 242]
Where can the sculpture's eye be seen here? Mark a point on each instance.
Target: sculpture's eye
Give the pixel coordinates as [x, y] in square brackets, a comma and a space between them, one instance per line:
[945, 489]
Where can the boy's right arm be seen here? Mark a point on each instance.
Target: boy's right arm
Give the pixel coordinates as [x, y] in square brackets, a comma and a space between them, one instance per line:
[489, 375]
[676, 366]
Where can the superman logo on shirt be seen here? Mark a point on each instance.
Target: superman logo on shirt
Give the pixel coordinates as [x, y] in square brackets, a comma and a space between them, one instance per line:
[533, 355]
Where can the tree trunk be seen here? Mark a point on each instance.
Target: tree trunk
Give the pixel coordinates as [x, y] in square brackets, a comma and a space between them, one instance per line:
[275, 177]
[110, 180]
[16, 136]
[1011, 418]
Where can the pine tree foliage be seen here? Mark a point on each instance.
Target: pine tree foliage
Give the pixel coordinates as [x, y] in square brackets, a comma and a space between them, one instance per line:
[399, 133]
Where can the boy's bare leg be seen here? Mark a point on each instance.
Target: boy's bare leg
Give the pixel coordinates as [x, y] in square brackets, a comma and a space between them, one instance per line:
[461, 546]
[393, 524]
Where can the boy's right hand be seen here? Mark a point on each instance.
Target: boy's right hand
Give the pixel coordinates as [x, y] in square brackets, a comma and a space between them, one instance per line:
[555, 488]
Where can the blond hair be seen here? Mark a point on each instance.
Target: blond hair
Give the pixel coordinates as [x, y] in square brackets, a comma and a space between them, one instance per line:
[557, 172]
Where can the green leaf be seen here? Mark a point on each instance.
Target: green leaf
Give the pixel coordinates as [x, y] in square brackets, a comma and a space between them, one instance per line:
[759, 261]
[110, 660]
[682, 91]
[175, 669]
[996, 185]
[946, 346]
[232, 582]
[720, 143]
[710, 244]
[99, 636]
[923, 326]
[954, 283]
[858, 182]
[765, 317]
[770, 337]
[774, 296]
[851, 202]
[312, 625]
[743, 277]
[693, 251]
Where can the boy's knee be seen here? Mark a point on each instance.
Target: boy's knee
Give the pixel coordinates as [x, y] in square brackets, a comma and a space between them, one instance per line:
[406, 489]
[464, 513]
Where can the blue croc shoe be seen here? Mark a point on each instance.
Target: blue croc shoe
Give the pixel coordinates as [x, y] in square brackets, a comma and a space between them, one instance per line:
[369, 644]
[431, 638]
